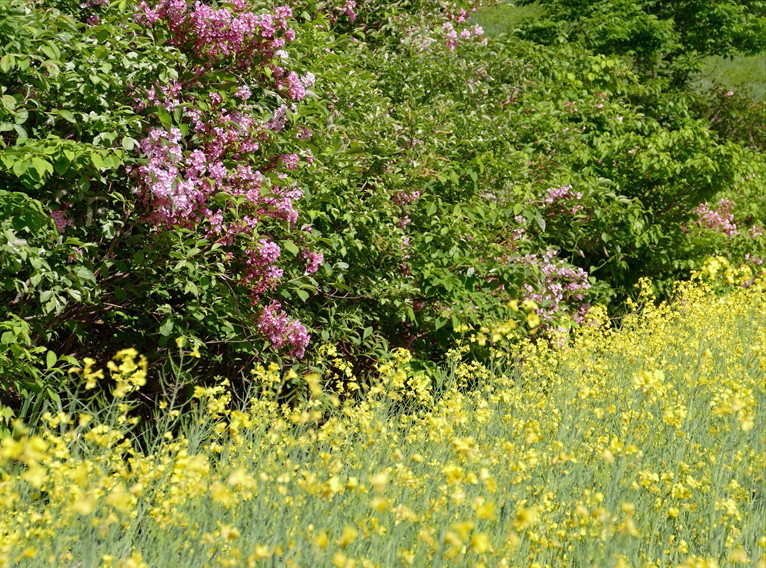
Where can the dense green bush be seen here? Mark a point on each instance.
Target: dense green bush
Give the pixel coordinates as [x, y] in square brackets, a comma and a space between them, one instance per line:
[366, 174]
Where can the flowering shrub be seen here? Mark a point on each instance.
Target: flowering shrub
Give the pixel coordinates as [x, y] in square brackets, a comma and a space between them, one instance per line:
[720, 218]
[561, 291]
[256, 177]
[201, 115]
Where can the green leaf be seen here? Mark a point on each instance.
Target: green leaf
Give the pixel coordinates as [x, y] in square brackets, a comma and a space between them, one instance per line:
[61, 165]
[85, 274]
[165, 119]
[166, 328]
[20, 168]
[67, 115]
[191, 288]
[291, 247]
[302, 294]
[51, 51]
[43, 167]
[50, 360]
[97, 160]
[9, 102]
[6, 62]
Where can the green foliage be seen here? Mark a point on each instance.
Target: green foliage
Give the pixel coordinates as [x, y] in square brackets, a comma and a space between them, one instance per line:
[734, 115]
[482, 136]
[447, 180]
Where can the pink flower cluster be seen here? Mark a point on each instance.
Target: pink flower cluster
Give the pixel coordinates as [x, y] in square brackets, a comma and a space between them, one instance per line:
[401, 198]
[519, 232]
[313, 260]
[93, 19]
[342, 7]
[452, 38]
[168, 97]
[227, 147]
[282, 331]
[61, 220]
[232, 33]
[171, 185]
[460, 14]
[261, 274]
[457, 15]
[720, 218]
[181, 175]
[559, 200]
[562, 288]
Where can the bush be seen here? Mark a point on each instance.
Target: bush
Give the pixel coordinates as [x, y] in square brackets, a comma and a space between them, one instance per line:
[216, 173]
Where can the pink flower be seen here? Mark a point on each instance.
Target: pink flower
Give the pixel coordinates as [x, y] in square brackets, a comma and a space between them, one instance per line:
[61, 220]
[294, 86]
[244, 92]
[282, 331]
[313, 260]
[720, 218]
[290, 161]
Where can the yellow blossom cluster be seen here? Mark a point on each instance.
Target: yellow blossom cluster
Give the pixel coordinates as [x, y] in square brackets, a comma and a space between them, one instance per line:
[642, 446]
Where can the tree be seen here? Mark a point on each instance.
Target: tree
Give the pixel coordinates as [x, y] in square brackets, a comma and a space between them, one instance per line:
[664, 38]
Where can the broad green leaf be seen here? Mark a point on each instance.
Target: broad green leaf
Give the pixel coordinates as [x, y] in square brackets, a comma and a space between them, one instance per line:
[43, 167]
[291, 247]
[6, 62]
[166, 328]
[50, 360]
[20, 167]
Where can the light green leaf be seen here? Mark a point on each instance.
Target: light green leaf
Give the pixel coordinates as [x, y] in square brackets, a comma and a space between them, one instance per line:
[50, 360]
[166, 328]
[291, 247]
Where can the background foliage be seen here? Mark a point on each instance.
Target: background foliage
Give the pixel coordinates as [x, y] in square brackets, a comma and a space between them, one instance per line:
[414, 174]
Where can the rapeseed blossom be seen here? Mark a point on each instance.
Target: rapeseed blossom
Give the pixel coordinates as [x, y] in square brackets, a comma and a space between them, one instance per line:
[641, 446]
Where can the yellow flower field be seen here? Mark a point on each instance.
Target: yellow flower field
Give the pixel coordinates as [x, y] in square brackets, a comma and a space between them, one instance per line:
[641, 447]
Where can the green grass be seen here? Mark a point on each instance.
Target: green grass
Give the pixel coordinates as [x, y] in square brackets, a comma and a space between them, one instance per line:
[741, 72]
[505, 17]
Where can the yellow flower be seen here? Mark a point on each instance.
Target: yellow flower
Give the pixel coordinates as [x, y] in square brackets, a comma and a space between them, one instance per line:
[525, 518]
[229, 533]
[529, 305]
[533, 320]
[135, 561]
[348, 536]
[379, 482]
[480, 543]
[380, 504]
[646, 381]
